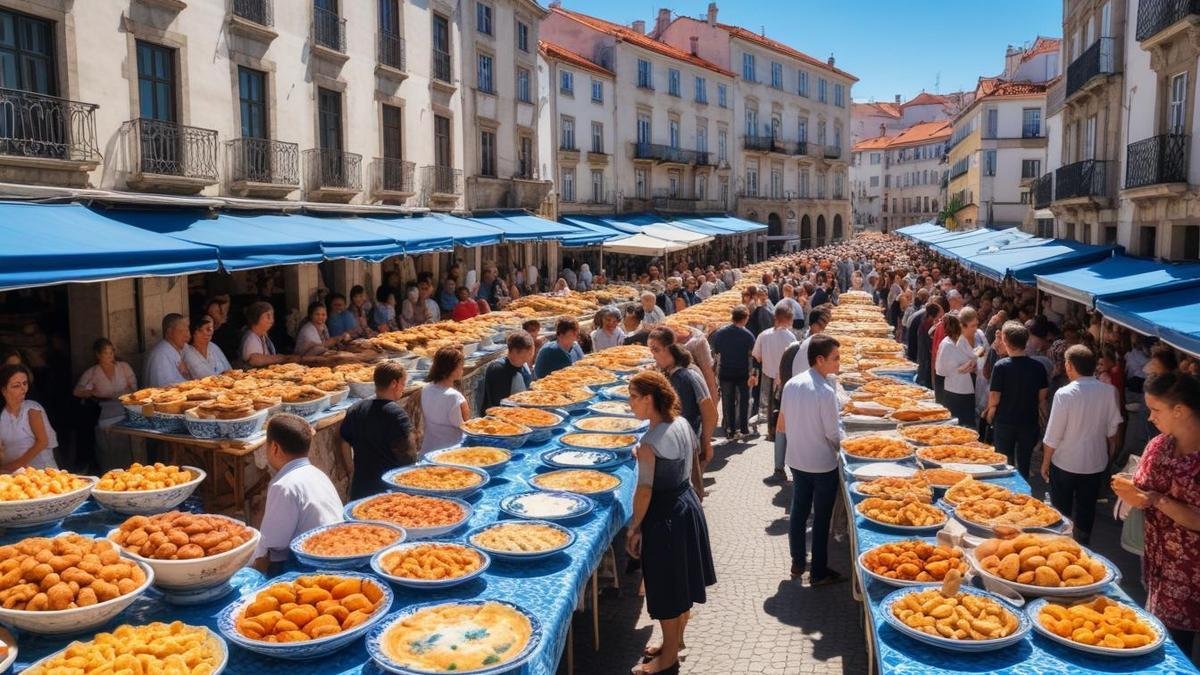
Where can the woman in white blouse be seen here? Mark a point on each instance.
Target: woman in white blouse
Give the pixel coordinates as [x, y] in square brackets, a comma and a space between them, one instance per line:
[968, 317]
[105, 383]
[957, 362]
[443, 408]
[201, 355]
[313, 338]
[26, 437]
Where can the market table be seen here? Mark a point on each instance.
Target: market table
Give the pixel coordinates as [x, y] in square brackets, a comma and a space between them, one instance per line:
[895, 652]
[549, 589]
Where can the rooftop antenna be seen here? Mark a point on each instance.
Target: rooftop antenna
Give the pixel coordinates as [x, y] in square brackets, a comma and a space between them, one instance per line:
[937, 83]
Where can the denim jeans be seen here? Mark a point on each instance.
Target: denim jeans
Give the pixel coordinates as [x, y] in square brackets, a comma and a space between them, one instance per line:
[735, 405]
[1017, 443]
[813, 493]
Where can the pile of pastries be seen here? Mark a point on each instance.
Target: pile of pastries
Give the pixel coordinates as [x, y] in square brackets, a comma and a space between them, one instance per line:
[940, 477]
[139, 477]
[41, 574]
[153, 648]
[709, 315]
[32, 483]
[550, 399]
[621, 357]
[894, 487]
[598, 441]
[1101, 621]
[900, 512]
[574, 377]
[967, 489]
[176, 535]
[607, 424]
[877, 447]
[583, 481]
[1040, 560]
[961, 454]
[920, 412]
[473, 456]
[488, 426]
[432, 561]
[962, 616]
[939, 434]
[414, 511]
[1014, 510]
[350, 539]
[436, 477]
[914, 560]
[309, 608]
[528, 417]
[520, 537]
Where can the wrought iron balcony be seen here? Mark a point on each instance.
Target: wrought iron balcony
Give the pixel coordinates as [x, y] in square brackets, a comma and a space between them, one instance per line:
[1157, 160]
[762, 143]
[260, 12]
[329, 29]
[442, 180]
[170, 149]
[441, 66]
[1031, 131]
[1043, 191]
[262, 160]
[35, 125]
[391, 51]
[668, 154]
[393, 175]
[833, 152]
[1099, 59]
[1155, 16]
[1088, 178]
[327, 169]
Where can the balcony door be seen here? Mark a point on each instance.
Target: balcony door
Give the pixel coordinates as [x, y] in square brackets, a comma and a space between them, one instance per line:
[443, 172]
[329, 137]
[252, 102]
[161, 142]
[441, 48]
[27, 126]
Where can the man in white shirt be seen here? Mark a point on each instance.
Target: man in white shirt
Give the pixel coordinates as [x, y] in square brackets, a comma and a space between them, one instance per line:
[654, 314]
[706, 288]
[300, 497]
[608, 332]
[817, 320]
[769, 347]
[164, 363]
[1080, 441]
[810, 409]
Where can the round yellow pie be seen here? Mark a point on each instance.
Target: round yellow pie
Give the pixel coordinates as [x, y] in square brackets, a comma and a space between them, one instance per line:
[584, 481]
[593, 441]
[438, 478]
[520, 538]
[457, 637]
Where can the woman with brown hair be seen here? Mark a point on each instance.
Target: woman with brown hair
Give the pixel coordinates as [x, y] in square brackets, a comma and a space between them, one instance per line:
[668, 531]
[443, 408]
[957, 363]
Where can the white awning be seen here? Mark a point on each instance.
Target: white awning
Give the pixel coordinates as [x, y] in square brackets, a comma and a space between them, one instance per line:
[673, 233]
[643, 244]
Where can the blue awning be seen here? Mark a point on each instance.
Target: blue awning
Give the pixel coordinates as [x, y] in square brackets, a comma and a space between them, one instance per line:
[340, 238]
[911, 231]
[44, 244]
[1119, 276]
[523, 226]
[655, 226]
[462, 231]
[976, 242]
[415, 238]
[1027, 257]
[589, 231]
[1173, 317]
[719, 225]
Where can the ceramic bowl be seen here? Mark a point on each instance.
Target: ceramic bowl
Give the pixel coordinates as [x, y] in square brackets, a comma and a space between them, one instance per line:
[198, 573]
[389, 479]
[339, 562]
[45, 510]
[243, 427]
[428, 584]
[78, 620]
[147, 502]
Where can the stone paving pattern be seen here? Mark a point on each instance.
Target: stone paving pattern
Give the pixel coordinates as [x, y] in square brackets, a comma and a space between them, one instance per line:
[757, 619]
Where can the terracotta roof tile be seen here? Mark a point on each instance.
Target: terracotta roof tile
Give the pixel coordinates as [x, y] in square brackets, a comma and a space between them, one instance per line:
[775, 45]
[1042, 45]
[551, 50]
[922, 133]
[639, 40]
[877, 143]
[997, 88]
[888, 109]
[925, 98]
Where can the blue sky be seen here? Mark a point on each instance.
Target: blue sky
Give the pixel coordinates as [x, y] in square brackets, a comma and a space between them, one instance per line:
[893, 47]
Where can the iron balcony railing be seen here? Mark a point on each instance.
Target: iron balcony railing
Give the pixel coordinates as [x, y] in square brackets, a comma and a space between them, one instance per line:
[1043, 191]
[1088, 178]
[1155, 16]
[670, 154]
[391, 50]
[1099, 59]
[762, 143]
[393, 175]
[442, 180]
[262, 160]
[171, 149]
[833, 152]
[329, 29]
[1031, 131]
[326, 168]
[36, 125]
[260, 12]
[441, 66]
[1157, 160]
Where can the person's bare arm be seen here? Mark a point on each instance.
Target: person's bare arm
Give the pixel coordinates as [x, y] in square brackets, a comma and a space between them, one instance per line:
[37, 425]
[993, 403]
[641, 502]
[708, 422]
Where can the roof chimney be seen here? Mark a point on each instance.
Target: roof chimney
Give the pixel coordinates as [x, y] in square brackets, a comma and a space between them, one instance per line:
[695, 45]
[662, 21]
[712, 14]
[897, 99]
[638, 27]
[831, 60]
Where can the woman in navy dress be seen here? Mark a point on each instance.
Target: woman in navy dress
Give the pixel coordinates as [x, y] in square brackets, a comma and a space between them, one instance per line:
[668, 531]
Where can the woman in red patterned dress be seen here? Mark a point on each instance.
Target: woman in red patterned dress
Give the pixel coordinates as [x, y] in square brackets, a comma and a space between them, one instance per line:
[1167, 487]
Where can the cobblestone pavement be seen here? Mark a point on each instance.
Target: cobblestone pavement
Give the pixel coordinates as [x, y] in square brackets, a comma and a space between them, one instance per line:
[756, 620]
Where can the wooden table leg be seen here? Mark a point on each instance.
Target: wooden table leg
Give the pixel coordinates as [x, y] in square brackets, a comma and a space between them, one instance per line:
[596, 610]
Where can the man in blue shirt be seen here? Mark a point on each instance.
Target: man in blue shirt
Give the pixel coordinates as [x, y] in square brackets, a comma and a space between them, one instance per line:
[732, 344]
[341, 320]
[561, 353]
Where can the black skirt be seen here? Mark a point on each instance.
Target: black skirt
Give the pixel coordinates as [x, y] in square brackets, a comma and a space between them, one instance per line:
[677, 563]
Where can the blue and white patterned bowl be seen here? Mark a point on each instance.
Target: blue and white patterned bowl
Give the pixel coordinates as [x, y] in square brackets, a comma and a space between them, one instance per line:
[610, 408]
[307, 408]
[618, 392]
[511, 442]
[243, 427]
[570, 458]
[435, 457]
[541, 434]
[520, 555]
[40, 666]
[196, 574]
[340, 562]
[899, 583]
[1112, 576]
[147, 502]
[389, 478]
[338, 395]
[300, 651]
[362, 389]
[45, 510]
[566, 441]
[135, 417]
[545, 505]
[416, 532]
[634, 426]
[601, 495]
[1035, 607]
[375, 640]
[427, 584]
[967, 646]
[167, 423]
[78, 619]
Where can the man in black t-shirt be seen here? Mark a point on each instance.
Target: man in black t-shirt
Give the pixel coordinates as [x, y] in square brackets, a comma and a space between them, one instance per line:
[1017, 400]
[732, 345]
[507, 376]
[377, 433]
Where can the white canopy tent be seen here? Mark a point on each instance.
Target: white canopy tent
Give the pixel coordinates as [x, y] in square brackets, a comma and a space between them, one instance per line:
[676, 234]
[644, 244]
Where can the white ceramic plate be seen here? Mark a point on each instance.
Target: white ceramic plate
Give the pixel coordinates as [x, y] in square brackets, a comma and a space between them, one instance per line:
[881, 469]
[1035, 607]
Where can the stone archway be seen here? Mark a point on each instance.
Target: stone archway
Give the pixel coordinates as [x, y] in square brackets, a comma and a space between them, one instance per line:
[821, 241]
[806, 232]
[837, 227]
[774, 229]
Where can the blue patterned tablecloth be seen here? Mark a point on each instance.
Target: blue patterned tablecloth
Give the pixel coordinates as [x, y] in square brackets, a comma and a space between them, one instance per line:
[548, 588]
[898, 653]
